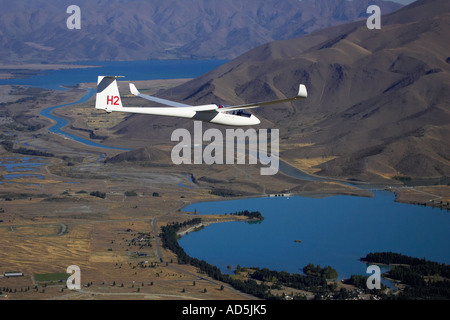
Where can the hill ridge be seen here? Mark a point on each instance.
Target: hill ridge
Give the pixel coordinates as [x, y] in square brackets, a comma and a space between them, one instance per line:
[377, 112]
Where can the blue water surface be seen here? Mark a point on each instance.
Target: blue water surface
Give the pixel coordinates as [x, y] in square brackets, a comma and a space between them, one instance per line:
[335, 231]
[131, 70]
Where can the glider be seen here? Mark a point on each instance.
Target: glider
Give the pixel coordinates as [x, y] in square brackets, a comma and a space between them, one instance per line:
[108, 99]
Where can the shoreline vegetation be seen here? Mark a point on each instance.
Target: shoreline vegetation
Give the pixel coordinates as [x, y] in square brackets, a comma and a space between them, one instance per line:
[252, 217]
[415, 278]
[423, 279]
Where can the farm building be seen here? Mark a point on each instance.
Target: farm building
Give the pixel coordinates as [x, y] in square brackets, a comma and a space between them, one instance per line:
[13, 274]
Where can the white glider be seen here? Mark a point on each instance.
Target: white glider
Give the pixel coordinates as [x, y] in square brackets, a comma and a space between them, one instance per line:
[108, 99]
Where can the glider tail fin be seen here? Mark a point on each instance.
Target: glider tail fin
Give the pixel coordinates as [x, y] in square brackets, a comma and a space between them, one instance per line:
[108, 96]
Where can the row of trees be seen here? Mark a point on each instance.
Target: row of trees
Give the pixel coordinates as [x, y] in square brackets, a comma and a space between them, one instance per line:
[317, 271]
[292, 280]
[391, 258]
[224, 192]
[420, 266]
[424, 279]
[98, 194]
[9, 146]
[92, 134]
[169, 241]
[248, 214]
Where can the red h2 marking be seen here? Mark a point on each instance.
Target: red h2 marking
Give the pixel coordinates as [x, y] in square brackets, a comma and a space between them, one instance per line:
[113, 100]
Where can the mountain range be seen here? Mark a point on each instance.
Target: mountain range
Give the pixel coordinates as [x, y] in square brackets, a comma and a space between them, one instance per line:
[36, 30]
[378, 103]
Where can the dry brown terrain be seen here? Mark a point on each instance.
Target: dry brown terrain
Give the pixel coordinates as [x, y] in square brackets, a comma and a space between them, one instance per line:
[46, 233]
[50, 220]
[434, 196]
[378, 101]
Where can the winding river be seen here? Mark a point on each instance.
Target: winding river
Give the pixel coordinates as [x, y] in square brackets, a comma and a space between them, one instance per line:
[61, 123]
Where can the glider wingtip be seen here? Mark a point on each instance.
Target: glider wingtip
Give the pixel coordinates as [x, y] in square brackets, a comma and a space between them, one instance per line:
[302, 92]
[133, 89]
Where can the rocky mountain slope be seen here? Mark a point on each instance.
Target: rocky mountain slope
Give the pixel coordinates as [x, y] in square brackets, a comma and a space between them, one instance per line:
[36, 30]
[378, 104]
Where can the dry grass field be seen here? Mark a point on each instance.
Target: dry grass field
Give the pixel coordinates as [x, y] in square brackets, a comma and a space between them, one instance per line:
[112, 241]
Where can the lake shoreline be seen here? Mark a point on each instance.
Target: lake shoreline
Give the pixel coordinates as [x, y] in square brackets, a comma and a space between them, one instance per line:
[348, 218]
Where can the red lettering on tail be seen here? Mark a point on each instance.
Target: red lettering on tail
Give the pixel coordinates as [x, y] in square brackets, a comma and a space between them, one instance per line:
[113, 100]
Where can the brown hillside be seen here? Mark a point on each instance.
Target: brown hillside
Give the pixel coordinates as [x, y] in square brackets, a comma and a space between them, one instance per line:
[378, 103]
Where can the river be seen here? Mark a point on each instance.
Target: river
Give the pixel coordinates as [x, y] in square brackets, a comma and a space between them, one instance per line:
[61, 123]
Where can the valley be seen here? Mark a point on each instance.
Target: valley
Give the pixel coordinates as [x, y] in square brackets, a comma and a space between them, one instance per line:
[67, 205]
[376, 118]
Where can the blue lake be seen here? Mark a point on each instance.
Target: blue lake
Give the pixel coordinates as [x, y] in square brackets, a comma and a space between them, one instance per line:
[335, 231]
[131, 70]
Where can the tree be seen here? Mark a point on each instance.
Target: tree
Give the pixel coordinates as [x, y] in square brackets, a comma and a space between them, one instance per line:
[98, 194]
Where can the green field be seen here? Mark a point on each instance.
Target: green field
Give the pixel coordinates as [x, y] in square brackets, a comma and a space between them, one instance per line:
[49, 277]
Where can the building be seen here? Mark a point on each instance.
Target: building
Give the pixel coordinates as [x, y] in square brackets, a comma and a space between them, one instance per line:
[13, 274]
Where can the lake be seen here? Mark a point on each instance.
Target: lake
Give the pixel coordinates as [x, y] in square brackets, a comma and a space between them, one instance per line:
[334, 231]
[131, 70]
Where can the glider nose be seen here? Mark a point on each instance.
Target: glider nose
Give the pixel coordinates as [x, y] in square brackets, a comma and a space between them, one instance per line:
[254, 120]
